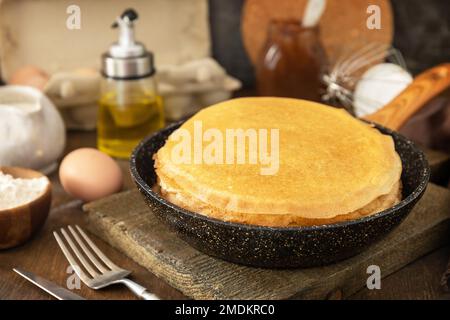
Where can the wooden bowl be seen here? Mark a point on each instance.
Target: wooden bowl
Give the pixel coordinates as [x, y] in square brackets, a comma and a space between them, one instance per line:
[19, 224]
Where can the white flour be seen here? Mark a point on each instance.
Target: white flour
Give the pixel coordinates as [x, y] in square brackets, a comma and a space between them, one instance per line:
[16, 192]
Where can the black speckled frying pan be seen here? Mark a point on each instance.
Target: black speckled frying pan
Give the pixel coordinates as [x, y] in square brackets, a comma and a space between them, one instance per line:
[288, 247]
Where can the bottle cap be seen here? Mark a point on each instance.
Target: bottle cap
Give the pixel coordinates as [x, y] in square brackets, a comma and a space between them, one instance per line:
[127, 59]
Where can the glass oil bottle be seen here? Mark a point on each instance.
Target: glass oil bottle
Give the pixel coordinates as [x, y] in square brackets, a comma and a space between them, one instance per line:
[129, 107]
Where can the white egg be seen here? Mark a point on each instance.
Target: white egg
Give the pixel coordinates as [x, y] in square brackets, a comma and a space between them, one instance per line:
[378, 86]
[90, 174]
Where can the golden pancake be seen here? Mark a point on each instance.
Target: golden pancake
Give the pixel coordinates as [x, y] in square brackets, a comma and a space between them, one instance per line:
[170, 192]
[332, 167]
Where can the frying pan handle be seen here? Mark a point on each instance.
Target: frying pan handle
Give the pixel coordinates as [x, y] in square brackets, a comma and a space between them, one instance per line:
[425, 86]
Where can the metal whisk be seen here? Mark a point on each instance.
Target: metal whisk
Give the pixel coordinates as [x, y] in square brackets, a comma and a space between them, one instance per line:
[347, 70]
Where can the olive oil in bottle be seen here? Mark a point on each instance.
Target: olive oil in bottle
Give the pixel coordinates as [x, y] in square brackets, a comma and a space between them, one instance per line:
[129, 107]
[124, 121]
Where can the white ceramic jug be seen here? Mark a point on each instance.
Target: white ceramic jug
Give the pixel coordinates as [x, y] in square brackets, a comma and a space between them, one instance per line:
[32, 132]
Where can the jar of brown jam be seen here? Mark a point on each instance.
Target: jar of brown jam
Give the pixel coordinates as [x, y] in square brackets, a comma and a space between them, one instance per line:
[292, 61]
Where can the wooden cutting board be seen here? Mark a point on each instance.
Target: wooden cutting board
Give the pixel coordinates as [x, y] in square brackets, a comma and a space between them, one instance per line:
[124, 221]
[342, 26]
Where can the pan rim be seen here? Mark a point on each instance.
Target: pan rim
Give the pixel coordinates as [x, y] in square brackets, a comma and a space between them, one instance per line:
[414, 194]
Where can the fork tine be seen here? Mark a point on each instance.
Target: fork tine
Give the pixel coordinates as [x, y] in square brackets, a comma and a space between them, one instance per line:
[97, 251]
[91, 257]
[70, 258]
[79, 255]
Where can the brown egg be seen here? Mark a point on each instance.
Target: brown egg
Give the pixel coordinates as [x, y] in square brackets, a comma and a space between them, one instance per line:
[29, 76]
[89, 174]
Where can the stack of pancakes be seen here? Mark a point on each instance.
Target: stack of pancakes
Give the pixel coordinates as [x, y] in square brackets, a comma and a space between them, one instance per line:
[332, 167]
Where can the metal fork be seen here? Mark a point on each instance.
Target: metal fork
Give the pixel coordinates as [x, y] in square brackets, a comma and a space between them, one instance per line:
[100, 274]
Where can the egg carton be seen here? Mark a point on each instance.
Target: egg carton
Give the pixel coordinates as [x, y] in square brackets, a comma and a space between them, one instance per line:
[189, 87]
[185, 89]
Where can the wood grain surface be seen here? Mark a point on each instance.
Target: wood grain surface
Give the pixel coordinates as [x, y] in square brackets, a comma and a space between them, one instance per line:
[126, 222]
[42, 256]
[419, 280]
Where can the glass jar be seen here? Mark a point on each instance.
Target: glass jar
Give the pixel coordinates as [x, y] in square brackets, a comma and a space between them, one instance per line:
[128, 111]
[292, 61]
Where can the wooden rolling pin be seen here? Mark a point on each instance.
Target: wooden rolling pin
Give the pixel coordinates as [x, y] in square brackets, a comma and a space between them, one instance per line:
[425, 86]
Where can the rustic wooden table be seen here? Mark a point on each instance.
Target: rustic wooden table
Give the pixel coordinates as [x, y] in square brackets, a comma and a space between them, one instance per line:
[41, 255]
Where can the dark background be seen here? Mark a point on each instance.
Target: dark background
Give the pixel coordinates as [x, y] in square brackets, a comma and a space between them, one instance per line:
[422, 34]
